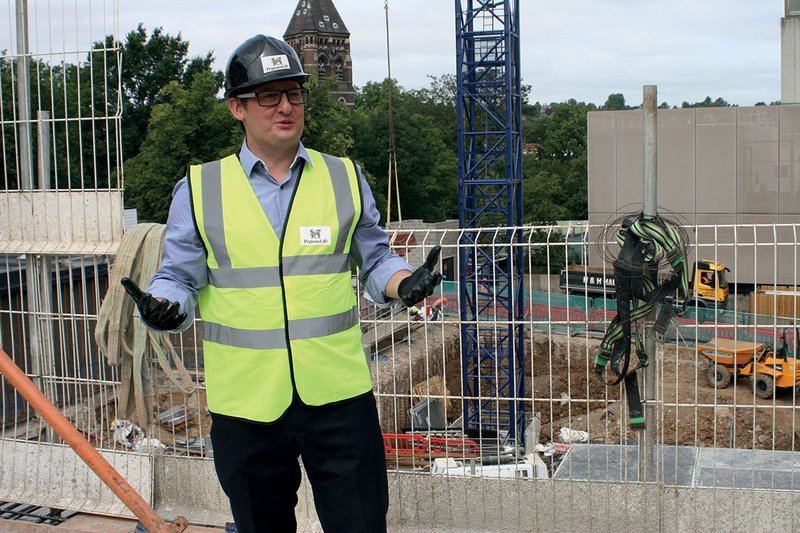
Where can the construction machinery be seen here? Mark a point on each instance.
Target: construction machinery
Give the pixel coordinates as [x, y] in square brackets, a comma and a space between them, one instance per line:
[728, 359]
[708, 284]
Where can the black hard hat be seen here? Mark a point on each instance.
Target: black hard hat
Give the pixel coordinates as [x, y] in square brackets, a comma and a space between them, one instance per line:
[259, 60]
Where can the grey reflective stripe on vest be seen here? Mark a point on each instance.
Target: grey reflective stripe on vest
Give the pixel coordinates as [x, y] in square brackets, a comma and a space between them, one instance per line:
[344, 198]
[301, 265]
[211, 175]
[306, 328]
[244, 278]
[309, 328]
[255, 339]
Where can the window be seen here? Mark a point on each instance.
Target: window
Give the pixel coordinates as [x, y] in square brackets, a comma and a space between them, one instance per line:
[339, 69]
[707, 278]
[322, 67]
[723, 280]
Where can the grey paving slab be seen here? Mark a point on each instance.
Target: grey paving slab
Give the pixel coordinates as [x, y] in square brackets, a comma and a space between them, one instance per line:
[751, 469]
[613, 462]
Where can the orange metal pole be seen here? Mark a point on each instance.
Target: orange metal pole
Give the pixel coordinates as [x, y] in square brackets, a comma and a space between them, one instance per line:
[86, 451]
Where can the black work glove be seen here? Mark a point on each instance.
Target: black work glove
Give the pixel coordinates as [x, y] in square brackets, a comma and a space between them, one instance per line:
[161, 315]
[421, 283]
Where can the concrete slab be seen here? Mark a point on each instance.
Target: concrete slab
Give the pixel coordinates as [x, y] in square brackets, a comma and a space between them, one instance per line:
[685, 466]
[674, 465]
[748, 469]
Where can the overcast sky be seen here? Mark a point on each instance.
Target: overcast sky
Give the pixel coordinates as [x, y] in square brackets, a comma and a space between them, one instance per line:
[582, 49]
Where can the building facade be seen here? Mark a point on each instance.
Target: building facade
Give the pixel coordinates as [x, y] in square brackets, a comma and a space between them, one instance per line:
[322, 41]
[731, 174]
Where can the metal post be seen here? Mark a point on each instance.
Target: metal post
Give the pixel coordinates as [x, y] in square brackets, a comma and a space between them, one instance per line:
[25, 180]
[23, 97]
[46, 349]
[45, 181]
[650, 191]
[649, 210]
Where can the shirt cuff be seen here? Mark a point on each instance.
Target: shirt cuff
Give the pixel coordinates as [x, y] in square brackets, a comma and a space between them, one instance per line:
[168, 291]
[377, 280]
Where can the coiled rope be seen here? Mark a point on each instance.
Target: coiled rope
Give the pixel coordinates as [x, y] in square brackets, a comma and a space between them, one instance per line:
[124, 340]
[646, 245]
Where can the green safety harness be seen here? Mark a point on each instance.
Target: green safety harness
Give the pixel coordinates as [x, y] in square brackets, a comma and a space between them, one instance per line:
[645, 242]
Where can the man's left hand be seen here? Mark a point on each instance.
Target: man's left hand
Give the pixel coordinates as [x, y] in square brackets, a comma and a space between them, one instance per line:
[420, 284]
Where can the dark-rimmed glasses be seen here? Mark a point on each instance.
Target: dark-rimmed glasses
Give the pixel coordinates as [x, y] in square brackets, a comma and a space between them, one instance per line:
[272, 97]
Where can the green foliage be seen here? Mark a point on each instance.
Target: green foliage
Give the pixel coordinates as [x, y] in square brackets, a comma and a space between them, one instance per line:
[615, 102]
[555, 177]
[172, 116]
[554, 189]
[327, 121]
[708, 102]
[191, 125]
[150, 62]
[424, 149]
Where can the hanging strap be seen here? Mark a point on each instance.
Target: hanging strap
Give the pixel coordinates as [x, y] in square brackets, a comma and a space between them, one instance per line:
[644, 243]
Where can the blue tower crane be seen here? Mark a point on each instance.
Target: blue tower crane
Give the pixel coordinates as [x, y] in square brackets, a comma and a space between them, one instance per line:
[489, 116]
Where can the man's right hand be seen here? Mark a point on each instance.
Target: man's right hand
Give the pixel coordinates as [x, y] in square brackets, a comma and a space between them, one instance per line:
[162, 315]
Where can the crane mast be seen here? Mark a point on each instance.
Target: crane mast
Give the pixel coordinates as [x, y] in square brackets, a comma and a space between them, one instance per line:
[489, 116]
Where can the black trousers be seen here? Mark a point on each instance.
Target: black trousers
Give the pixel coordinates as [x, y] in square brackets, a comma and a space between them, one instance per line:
[342, 450]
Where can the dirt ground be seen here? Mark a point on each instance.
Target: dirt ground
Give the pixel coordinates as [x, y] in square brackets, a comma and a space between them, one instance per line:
[424, 361]
[561, 387]
[692, 412]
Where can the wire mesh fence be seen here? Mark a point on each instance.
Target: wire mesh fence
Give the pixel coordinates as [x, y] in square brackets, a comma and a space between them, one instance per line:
[723, 436]
[721, 423]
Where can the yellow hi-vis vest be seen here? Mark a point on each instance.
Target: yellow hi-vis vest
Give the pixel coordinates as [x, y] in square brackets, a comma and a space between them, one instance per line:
[280, 314]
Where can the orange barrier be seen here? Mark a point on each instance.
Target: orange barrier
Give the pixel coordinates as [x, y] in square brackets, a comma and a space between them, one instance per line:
[86, 451]
[413, 444]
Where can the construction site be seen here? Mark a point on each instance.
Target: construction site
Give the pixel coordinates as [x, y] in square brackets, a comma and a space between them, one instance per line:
[532, 391]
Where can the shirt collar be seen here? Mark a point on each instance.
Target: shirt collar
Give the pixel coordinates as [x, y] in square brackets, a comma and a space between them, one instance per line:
[248, 159]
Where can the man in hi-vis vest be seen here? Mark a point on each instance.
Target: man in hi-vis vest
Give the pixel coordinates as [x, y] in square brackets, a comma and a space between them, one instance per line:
[262, 242]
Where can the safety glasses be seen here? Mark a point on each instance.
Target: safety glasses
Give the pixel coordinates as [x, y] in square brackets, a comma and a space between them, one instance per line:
[272, 97]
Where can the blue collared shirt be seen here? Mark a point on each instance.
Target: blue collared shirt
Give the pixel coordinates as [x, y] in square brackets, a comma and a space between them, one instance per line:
[183, 269]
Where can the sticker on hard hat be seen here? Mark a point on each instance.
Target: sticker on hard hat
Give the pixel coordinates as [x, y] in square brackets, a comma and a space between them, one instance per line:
[273, 63]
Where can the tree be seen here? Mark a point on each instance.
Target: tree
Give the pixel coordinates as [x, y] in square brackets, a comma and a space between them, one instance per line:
[190, 126]
[555, 176]
[708, 102]
[327, 121]
[426, 159]
[615, 102]
[149, 63]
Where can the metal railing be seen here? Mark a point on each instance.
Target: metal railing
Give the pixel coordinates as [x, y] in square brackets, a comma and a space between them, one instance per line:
[707, 438]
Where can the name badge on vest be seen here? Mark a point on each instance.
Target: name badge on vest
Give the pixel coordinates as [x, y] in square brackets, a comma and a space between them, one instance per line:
[314, 235]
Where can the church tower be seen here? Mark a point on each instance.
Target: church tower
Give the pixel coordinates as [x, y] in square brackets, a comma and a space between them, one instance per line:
[322, 41]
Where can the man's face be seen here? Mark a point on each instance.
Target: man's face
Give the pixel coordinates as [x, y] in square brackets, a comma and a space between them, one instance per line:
[278, 127]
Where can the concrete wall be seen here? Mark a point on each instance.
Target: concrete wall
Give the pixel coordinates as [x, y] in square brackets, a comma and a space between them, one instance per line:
[734, 166]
